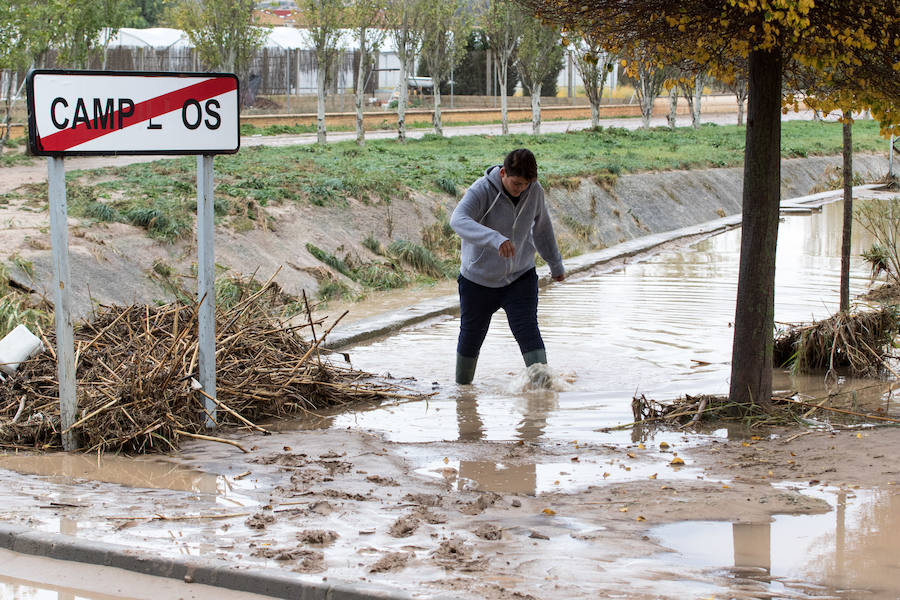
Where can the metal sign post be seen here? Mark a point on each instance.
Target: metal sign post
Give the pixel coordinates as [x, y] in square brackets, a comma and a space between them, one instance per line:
[65, 343]
[206, 286]
[130, 112]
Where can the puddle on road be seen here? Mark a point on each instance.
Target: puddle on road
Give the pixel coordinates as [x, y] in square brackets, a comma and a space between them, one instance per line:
[132, 472]
[852, 551]
[534, 479]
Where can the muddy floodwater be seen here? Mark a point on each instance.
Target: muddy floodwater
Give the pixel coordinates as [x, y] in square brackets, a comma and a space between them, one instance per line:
[661, 327]
[501, 453]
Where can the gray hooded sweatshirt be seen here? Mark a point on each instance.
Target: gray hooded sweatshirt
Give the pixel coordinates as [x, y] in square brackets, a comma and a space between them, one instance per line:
[486, 217]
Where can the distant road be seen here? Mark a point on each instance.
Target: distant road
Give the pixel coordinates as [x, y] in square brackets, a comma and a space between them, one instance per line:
[495, 129]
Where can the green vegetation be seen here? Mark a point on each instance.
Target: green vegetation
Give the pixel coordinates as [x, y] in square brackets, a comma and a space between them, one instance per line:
[420, 258]
[382, 274]
[161, 196]
[15, 159]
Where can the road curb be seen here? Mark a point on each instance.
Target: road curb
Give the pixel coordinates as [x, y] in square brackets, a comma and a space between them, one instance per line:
[275, 584]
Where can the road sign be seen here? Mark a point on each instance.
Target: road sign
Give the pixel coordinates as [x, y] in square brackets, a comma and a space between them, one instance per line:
[132, 112]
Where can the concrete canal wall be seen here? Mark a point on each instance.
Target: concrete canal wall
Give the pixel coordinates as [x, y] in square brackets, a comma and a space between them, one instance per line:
[608, 212]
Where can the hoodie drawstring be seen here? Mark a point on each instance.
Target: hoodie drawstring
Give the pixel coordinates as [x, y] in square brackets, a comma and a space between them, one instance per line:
[484, 216]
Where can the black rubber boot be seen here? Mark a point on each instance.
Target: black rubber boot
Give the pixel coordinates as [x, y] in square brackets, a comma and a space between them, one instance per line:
[535, 356]
[465, 369]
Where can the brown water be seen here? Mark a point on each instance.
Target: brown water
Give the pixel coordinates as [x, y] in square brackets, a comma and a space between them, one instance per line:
[134, 472]
[661, 327]
[852, 550]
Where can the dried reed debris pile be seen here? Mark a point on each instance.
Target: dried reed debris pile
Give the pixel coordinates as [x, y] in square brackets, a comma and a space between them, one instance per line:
[681, 412]
[690, 411]
[860, 341]
[135, 367]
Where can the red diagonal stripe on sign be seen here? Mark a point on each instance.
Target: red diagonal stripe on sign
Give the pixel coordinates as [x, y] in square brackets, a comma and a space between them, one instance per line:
[154, 107]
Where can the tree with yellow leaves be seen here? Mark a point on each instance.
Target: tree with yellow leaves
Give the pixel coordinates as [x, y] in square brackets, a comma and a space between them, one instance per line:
[861, 37]
[594, 65]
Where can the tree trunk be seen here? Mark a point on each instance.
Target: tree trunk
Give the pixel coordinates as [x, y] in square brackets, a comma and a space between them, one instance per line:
[740, 110]
[436, 118]
[595, 113]
[645, 99]
[848, 212]
[361, 90]
[502, 69]
[673, 106]
[320, 101]
[695, 105]
[402, 98]
[7, 120]
[754, 319]
[536, 109]
[646, 113]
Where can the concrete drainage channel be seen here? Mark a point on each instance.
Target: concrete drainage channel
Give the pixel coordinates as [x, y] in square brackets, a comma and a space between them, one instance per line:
[282, 584]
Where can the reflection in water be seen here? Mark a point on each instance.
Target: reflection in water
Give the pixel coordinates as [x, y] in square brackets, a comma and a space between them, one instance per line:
[132, 472]
[661, 327]
[854, 547]
[752, 543]
[521, 479]
[537, 407]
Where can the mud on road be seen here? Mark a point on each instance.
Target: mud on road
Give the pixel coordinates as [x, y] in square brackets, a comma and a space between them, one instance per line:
[348, 506]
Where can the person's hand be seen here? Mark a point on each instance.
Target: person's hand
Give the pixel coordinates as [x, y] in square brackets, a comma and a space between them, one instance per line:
[507, 250]
[559, 277]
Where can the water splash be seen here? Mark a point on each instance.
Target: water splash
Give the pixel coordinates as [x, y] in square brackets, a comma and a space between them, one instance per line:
[540, 376]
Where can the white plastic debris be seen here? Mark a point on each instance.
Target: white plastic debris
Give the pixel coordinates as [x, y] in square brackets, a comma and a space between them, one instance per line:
[18, 346]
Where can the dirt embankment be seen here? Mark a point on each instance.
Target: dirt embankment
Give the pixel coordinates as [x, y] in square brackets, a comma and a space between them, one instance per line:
[113, 263]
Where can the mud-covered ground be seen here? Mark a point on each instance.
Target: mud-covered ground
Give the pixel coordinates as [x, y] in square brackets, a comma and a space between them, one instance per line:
[347, 506]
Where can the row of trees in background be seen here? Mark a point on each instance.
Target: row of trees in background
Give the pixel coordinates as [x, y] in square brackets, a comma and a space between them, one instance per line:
[437, 36]
[452, 39]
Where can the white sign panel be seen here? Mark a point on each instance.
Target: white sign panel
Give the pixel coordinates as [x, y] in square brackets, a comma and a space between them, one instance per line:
[132, 112]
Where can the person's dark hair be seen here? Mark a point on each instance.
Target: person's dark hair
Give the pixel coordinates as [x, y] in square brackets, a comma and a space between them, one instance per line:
[521, 163]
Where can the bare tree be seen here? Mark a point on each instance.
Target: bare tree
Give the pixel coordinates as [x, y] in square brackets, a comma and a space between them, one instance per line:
[650, 79]
[364, 14]
[446, 26]
[594, 65]
[738, 84]
[405, 19]
[324, 18]
[502, 22]
[692, 88]
[539, 53]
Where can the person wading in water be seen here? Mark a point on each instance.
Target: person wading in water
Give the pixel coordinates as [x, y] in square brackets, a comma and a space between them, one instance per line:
[502, 219]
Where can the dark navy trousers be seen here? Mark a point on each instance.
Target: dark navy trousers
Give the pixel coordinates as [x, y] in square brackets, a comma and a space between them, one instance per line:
[478, 303]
